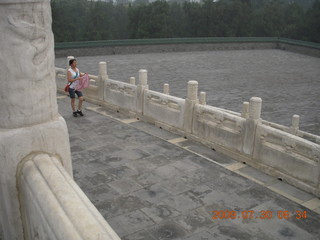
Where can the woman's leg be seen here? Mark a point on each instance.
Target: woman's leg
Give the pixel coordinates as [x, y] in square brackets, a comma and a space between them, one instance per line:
[73, 99]
[80, 103]
[73, 106]
[80, 97]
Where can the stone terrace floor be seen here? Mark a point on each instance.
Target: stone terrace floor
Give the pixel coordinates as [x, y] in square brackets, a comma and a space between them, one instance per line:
[152, 184]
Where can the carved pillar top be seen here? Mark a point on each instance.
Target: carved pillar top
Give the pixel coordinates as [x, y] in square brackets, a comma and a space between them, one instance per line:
[27, 79]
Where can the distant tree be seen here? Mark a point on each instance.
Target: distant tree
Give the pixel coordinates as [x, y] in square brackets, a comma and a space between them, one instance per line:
[149, 20]
[294, 18]
[177, 20]
[83, 20]
[120, 22]
[101, 15]
[269, 20]
[67, 25]
[195, 20]
[312, 23]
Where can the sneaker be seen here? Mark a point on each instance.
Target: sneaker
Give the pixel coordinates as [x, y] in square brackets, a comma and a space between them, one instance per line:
[80, 113]
[75, 114]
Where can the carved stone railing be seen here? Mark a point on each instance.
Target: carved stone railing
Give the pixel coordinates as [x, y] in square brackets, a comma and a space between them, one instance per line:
[52, 204]
[282, 151]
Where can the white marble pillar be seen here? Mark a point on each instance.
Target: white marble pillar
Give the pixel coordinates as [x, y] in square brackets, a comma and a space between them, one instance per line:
[143, 85]
[132, 80]
[103, 77]
[166, 88]
[295, 124]
[191, 100]
[29, 119]
[251, 124]
[255, 108]
[203, 98]
[245, 110]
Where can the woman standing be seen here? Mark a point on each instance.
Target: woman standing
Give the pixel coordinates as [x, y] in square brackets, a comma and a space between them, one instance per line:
[74, 76]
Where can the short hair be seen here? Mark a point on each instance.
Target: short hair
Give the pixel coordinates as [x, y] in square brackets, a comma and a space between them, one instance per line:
[71, 61]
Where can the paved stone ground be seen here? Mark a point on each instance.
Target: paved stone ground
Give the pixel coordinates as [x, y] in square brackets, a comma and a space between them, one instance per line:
[153, 184]
[287, 82]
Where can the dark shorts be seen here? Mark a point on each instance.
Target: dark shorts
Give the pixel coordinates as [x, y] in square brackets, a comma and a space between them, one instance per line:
[72, 93]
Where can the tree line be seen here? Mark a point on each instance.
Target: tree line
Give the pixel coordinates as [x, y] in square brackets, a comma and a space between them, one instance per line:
[83, 20]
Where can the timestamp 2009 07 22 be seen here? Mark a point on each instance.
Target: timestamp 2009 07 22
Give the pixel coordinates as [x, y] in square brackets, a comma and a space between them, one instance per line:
[261, 214]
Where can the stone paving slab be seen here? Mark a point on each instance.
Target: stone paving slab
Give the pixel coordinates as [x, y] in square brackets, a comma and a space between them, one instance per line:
[154, 130]
[256, 174]
[207, 152]
[297, 193]
[149, 188]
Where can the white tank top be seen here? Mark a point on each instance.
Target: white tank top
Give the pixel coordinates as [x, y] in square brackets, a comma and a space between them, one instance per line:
[74, 75]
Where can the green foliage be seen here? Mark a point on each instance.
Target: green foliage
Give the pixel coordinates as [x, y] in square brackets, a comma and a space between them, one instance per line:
[82, 20]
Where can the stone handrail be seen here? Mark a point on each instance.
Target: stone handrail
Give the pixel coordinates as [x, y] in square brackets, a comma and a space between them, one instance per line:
[243, 136]
[53, 206]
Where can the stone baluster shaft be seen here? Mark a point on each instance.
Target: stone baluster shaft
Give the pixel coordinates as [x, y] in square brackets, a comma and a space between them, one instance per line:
[191, 100]
[142, 86]
[132, 80]
[251, 124]
[202, 100]
[166, 88]
[245, 110]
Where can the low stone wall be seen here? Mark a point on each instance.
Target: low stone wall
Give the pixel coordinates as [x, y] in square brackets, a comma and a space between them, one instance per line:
[299, 49]
[138, 49]
[137, 46]
[284, 152]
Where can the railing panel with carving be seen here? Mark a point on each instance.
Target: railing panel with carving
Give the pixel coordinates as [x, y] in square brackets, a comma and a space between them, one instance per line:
[164, 108]
[288, 154]
[121, 94]
[218, 127]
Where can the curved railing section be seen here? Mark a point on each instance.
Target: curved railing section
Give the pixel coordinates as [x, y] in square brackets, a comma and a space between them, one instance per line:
[52, 204]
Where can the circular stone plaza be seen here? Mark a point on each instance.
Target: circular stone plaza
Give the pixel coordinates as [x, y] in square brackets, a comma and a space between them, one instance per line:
[150, 183]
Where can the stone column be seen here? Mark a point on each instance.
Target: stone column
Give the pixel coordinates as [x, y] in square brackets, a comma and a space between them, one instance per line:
[103, 77]
[143, 85]
[203, 98]
[251, 124]
[255, 108]
[245, 110]
[191, 100]
[132, 80]
[166, 88]
[295, 124]
[29, 119]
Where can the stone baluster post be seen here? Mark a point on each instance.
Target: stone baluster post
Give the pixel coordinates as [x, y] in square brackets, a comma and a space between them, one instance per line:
[166, 88]
[29, 118]
[191, 100]
[143, 85]
[103, 77]
[251, 124]
[245, 110]
[132, 80]
[295, 124]
[202, 100]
